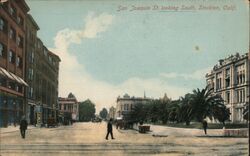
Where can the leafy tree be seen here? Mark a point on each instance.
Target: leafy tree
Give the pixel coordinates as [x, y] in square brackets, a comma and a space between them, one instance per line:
[86, 110]
[103, 113]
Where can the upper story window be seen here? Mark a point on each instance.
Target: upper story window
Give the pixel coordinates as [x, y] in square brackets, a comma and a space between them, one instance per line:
[12, 34]
[2, 23]
[240, 74]
[45, 52]
[12, 11]
[19, 61]
[20, 20]
[19, 41]
[2, 50]
[11, 57]
[31, 73]
[218, 81]
[227, 77]
[31, 57]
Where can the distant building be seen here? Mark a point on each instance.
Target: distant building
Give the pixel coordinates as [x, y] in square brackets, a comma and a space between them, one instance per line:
[111, 113]
[165, 98]
[69, 105]
[230, 79]
[126, 104]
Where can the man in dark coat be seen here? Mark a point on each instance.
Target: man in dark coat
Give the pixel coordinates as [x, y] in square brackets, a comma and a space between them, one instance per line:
[109, 128]
[204, 124]
[23, 126]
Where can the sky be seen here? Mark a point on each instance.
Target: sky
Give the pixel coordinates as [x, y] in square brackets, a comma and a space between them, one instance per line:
[112, 47]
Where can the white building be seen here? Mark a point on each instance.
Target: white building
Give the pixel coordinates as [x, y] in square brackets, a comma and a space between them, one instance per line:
[230, 79]
[126, 104]
[69, 105]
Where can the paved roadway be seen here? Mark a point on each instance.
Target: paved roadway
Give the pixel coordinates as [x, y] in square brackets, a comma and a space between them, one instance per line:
[89, 139]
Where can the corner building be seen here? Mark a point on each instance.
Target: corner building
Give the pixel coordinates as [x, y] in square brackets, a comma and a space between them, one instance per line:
[230, 79]
[12, 61]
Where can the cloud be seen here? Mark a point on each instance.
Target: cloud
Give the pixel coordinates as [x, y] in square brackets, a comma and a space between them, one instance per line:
[196, 75]
[74, 78]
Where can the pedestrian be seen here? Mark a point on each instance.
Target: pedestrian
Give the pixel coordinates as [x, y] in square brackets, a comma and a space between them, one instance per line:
[109, 130]
[204, 123]
[23, 126]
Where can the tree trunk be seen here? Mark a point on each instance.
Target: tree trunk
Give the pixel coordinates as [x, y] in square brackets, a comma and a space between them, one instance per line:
[187, 123]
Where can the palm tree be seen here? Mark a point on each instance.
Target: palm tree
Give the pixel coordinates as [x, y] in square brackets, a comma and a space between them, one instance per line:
[206, 104]
[186, 111]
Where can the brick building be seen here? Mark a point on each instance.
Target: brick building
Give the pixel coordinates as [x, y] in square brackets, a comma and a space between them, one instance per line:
[28, 70]
[230, 79]
[12, 61]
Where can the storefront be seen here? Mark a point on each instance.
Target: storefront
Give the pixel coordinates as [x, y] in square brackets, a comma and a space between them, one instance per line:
[11, 109]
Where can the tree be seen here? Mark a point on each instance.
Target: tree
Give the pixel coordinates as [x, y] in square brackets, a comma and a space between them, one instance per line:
[86, 110]
[103, 113]
[185, 111]
[206, 104]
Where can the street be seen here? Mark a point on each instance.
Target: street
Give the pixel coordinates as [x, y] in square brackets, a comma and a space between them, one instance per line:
[89, 139]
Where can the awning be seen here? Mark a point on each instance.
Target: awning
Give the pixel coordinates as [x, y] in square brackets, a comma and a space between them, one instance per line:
[12, 76]
[7, 74]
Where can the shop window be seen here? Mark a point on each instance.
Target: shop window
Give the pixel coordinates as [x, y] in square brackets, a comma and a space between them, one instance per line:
[3, 81]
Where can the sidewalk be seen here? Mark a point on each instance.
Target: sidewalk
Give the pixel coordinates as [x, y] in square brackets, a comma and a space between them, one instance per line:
[12, 128]
[157, 130]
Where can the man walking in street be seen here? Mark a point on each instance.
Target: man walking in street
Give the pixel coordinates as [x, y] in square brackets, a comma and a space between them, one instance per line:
[109, 129]
[204, 124]
[23, 126]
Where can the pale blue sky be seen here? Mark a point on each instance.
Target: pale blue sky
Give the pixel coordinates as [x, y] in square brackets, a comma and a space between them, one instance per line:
[146, 44]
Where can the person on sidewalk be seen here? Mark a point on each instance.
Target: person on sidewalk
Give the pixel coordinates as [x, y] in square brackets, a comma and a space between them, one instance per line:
[109, 129]
[204, 124]
[23, 126]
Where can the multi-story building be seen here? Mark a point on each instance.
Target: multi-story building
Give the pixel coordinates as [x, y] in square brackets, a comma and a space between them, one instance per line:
[24, 58]
[45, 91]
[30, 67]
[126, 104]
[12, 61]
[230, 79]
[69, 105]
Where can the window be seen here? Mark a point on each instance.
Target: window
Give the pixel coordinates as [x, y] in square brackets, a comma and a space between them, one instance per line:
[19, 61]
[30, 73]
[12, 34]
[227, 77]
[30, 92]
[228, 97]
[240, 74]
[3, 81]
[20, 20]
[2, 24]
[11, 56]
[12, 11]
[19, 41]
[1, 50]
